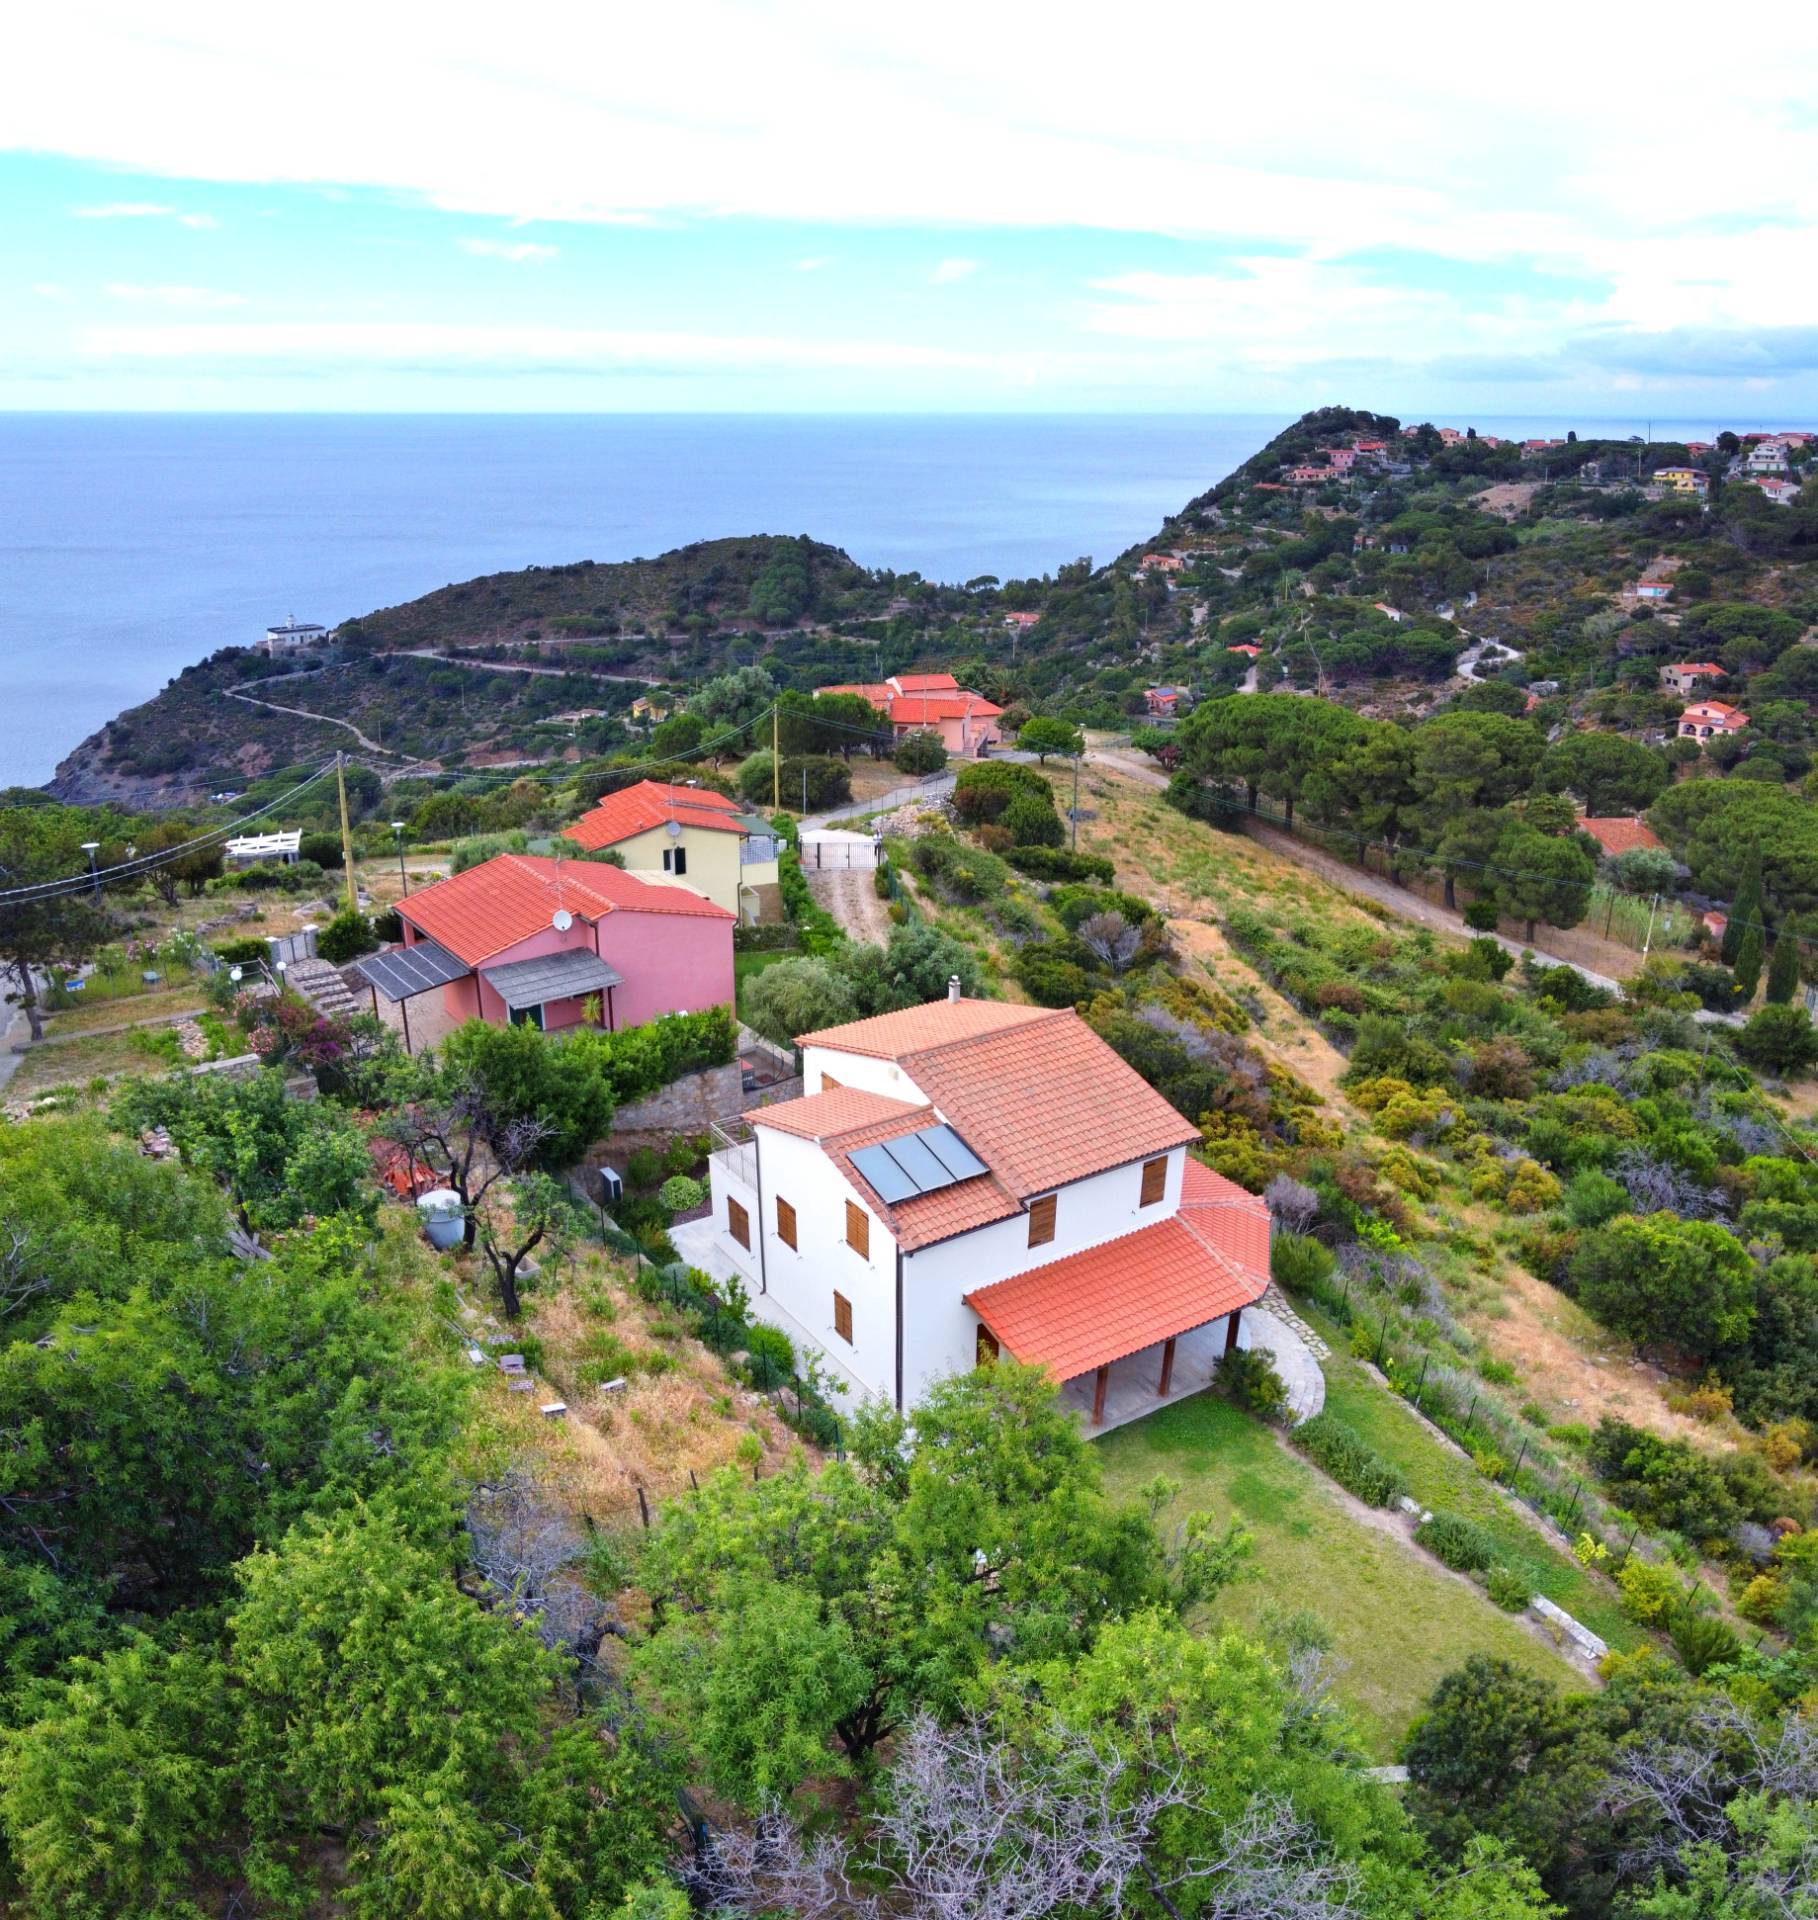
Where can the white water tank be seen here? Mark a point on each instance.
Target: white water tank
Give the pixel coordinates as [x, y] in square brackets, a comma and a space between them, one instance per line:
[441, 1214]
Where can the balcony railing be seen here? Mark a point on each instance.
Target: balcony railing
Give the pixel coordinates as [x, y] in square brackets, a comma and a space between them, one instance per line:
[735, 1151]
[756, 849]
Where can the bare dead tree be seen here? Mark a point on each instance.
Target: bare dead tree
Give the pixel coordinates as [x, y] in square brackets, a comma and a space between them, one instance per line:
[466, 1143]
[1685, 1794]
[1111, 939]
[975, 1829]
[19, 1280]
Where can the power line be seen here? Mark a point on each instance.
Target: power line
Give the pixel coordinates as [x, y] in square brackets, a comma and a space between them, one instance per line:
[142, 864]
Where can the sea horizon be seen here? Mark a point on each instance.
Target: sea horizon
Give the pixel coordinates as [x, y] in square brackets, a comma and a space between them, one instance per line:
[138, 542]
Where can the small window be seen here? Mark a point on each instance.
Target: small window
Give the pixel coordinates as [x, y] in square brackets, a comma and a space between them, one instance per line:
[987, 1346]
[785, 1223]
[738, 1224]
[1155, 1181]
[842, 1317]
[675, 859]
[858, 1230]
[527, 1017]
[1041, 1221]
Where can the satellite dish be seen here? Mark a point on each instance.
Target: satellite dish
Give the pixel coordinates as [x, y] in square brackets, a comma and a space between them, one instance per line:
[562, 920]
[674, 829]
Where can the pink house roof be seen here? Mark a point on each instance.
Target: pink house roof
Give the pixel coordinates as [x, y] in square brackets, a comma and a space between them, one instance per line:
[1619, 833]
[1694, 666]
[651, 803]
[481, 912]
[919, 709]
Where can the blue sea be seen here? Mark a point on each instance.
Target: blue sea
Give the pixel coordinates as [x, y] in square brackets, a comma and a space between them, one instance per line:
[134, 544]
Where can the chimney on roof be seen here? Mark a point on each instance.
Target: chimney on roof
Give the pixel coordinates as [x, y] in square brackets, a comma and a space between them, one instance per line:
[953, 986]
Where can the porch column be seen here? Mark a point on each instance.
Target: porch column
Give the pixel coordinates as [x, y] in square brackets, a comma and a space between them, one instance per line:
[1102, 1381]
[1167, 1377]
[1231, 1326]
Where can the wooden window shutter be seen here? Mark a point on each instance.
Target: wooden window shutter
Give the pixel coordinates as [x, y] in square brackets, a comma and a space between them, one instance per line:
[842, 1317]
[1041, 1221]
[738, 1224]
[828, 1083]
[858, 1229]
[1155, 1181]
[785, 1223]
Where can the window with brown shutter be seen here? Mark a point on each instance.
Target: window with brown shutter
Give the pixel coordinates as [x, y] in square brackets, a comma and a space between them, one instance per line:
[842, 1317]
[1155, 1181]
[738, 1224]
[1041, 1221]
[828, 1083]
[858, 1230]
[785, 1223]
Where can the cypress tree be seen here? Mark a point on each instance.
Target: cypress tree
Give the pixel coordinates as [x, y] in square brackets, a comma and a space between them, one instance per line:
[1748, 963]
[1783, 969]
[1745, 909]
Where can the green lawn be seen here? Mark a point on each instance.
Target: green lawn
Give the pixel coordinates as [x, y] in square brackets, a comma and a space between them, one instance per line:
[1399, 1623]
[1437, 1478]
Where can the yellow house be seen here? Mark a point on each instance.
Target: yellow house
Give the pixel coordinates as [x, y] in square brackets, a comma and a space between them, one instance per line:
[1682, 479]
[688, 836]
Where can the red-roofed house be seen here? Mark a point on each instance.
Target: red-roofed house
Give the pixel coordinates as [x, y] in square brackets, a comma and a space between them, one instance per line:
[686, 833]
[1704, 718]
[1619, 833]
[1021, 622]
[1684, 675]
[970, 1178]
[528, 941]
[1161, 563]
[933, 703]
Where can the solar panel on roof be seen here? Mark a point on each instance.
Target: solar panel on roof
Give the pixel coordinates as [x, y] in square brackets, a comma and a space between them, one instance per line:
[890, 1182]
[918, 1163]
[951, 1151]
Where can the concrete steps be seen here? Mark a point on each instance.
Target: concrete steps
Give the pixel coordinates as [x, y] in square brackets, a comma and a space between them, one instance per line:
[1275, 1302]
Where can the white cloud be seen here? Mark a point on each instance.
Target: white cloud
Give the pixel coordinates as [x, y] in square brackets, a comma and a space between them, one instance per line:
[145, 210]
[49, 290]
[126, 210]
[813, 264]
[950, 270]
[181, 299]
[521, 251]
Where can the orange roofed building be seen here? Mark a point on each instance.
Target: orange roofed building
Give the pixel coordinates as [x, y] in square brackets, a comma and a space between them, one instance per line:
[1706, 719]
[1619, 833]
[969, 1178]
[690, 834]
[527, 941]
[933, 703]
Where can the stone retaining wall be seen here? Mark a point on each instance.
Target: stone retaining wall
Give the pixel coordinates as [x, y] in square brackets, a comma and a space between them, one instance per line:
[685, 1105]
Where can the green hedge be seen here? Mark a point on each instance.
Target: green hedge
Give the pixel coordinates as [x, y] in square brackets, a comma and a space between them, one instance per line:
[1350, 1460]
[817, 930]
[1462, 1544]
[642, 1060]
[1057, 863]
[250, 951]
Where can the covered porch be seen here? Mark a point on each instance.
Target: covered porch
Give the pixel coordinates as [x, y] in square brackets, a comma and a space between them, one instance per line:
[1134, 1387]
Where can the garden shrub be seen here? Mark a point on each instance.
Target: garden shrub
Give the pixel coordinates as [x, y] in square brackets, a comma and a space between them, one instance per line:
[679, 1193]
[772, 1355]
[1462, 1544]
[1650, 1594]
[1059, 863]
[1248, 1377]
[1703, 1641]
[1300, 1263]
[348, 935]
[1330, 1444]
[1508, 1589]
[250, 951]
[1050, 975]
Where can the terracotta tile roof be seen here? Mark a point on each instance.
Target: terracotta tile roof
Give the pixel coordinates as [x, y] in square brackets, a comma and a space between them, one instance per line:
[1694, 666]
[1091, 1308]
[1617, 833]
[916, 709]
[838, 1110]
[652, 804]
[504, 900]
[846, 1119]
[1033, 1091]
[936, 1023]
[1235, 1221]
[875, 691]
[925, 683]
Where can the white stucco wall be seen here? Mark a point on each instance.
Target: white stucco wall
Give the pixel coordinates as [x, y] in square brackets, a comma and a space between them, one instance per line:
[856, 1070]
[803, 1279]
[940, 1333]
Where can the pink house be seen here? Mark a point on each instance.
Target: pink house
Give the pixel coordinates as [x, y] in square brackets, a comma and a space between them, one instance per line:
[933, 703]
[530, 941]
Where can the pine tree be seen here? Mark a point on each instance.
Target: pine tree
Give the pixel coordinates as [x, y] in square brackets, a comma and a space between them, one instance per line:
[1748, 963]
[1745, 909]
[1783, 969]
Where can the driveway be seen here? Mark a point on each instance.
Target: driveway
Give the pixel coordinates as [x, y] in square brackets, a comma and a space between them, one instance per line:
[850, 894]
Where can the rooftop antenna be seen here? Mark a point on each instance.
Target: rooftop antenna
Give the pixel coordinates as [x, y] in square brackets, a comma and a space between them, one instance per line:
[561, 919]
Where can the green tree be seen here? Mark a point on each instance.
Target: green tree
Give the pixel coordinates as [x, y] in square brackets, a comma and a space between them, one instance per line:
[1033, 822]
[1784, 968]
[1044, 735]
[1541, 877]
[37, 845]
[798, 996]
[1746, 909]
[120, 1792]
[1779, 1039]
[1609, 773]
[521, 1075]
[920, 753]
[1465, 761]
[1667, 1283]
[348, 935]
[914, 968]
[1747, 965]
[678, 736]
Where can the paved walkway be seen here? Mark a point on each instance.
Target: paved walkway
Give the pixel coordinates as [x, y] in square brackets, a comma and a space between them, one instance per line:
[930, 792]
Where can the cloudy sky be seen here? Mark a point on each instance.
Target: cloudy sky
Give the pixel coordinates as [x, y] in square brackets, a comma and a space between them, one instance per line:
[982, 206]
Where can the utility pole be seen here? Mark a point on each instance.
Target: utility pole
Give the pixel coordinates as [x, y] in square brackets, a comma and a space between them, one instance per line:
[776, 767]
[347, 861]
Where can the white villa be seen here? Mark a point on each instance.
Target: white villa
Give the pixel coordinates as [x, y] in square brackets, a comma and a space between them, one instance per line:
[970, 1178]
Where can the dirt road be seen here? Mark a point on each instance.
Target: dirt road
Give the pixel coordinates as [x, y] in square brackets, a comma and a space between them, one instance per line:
[849, 894]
